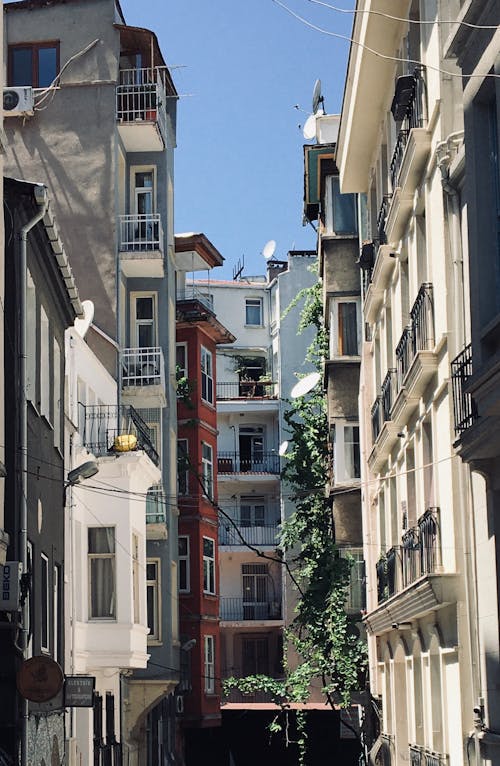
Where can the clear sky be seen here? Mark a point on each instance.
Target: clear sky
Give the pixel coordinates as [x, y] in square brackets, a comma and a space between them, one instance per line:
[240, 67]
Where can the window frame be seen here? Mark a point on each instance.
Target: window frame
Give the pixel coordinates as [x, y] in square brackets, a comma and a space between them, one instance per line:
[183, 369]
[44, 603]
[35, 62]
[334, 329]
[136, 323]
[207, 470]
[209, 663]
[332, 195]
[154, 585]
[207, 375]
[134, 169]
[44, 403]
[91, 556]
[209, 584]
[184, 565]
[248, 304]
[186, 470]
[339, 447]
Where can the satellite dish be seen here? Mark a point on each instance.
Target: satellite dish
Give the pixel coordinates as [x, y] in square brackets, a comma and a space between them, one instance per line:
[268, 249]
[305, 385]
[309, 129]
[283, 448]
[82, 325]
[317, 98]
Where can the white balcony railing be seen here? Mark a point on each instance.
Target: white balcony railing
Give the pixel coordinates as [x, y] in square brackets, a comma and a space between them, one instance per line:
[141, 97]
[142, 367]
[140, 233]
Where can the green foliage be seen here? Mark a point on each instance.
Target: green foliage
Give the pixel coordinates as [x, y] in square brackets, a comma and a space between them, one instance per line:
[321, 632]
[185, 388]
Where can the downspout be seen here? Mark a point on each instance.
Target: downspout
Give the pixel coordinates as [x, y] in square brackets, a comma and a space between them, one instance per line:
[468, 526]
[23, 438]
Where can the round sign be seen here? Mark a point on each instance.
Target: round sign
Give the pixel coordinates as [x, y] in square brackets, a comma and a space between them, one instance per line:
[40, 679]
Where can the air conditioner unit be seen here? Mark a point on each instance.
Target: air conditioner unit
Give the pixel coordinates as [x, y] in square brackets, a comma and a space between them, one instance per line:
[18, 102]
[179, 704]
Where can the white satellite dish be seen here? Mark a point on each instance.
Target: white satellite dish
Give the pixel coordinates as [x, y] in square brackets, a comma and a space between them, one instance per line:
[317, 98]
[283, 448]
[309, 129]
[82, 325]
[305, 385]
[268, 249]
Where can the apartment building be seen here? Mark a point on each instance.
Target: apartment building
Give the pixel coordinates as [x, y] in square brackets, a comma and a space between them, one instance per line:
[401, 145]
[95, 122]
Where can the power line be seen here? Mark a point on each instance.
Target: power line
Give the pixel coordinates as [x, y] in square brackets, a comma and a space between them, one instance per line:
[378, 53]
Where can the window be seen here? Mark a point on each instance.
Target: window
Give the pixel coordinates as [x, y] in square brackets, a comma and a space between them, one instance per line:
[32, 323]
[207, 469]
[208, 565]
[156, 505]
[347, 464]
[144, 316]
[35, 64]
[356, 592]
[45, 383]
[251, 444]
[209, 673]
[253, 312]
[44, 602]
[181, 360]
[135, 579]
[341, 215]
[57, 394]
[344, 329]
[252, 512]
[101, 551]
[153, 598]
[207, 380]
[184, 584]
[57, 608]
[255, 655]
[182, 467]
[255, 597]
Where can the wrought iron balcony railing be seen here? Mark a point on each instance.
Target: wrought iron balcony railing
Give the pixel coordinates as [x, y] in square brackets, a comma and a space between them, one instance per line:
[382, 218]
[140, 233]
[422, 756]
[247, 389]
[411, 115]
[381, 570]
[142, 367]
[106, 428]
[259, 462]
[419, 335]
[464, 406]
[429, 542]
[141, 97]
[392, 557]
[192, 293]
[238, 609]
[403, 356]
[387, 393]
[376, 418]
[241, 533]
[410, 556]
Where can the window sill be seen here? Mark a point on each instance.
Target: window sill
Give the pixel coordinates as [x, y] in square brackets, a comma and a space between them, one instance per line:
[211, 596]
[254, 326]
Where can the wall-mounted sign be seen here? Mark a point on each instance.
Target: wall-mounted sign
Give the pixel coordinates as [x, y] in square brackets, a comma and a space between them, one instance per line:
[79, 691]
[40, 679]
[11, 583]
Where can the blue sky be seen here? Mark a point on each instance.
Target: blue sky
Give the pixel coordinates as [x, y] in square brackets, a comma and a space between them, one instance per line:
[240, 68]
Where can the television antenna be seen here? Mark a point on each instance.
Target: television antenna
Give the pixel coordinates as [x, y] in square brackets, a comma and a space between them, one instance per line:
[238, 269]
[268, 249]
[305, 385]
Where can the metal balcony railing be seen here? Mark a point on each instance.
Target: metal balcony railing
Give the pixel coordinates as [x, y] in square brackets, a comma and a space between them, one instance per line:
[387, 393]
[410, 556]
[414, 117]
[403, 356]
[381, 571]
[430, 758]
[241, 533]
[376, 418]
[382, 218]
[142, 367]
[464, 406]
[238, 609]
[429, 543]
[419, 335]
[392, 556]
[141, 97]
[415, 755]
[259, 462]
[193, 293]
[156, 505]
[247, 389]
[140, 233]
[103, 423]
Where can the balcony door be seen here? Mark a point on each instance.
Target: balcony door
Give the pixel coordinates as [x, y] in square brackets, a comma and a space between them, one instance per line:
[142, 207]
[251, 444]
[254, 655]
[255, 591]
[143, 359]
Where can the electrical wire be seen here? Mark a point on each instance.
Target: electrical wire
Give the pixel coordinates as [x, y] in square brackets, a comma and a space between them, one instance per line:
[378, 54]
[399, 18]
[51, 90]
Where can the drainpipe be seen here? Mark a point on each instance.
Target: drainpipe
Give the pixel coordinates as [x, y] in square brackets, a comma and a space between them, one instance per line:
[43, 201]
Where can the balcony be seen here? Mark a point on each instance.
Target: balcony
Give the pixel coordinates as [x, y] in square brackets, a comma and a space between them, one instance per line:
[140, 109]
[242, 532]
[140, 243]
[422, 756]
[258, 463]
[378, 278]
[143, 377]
[239, 610]
[464, 407]
[112, 429]
[246, 389]
[416, 361]
[191, 293]
[410, 151]
[384, 429]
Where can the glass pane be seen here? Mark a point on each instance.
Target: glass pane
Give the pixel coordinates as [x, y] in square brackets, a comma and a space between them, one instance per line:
[145, 336]
[208, 547]
[183, 546]
[144, 308]
[22, 69]
[253, 312]
[246, 516]
[102, 587]
[150, 595]
[144, 180]
[151, 571]
[47, 66]
[348, 329]
[344, 210]
[101, 540]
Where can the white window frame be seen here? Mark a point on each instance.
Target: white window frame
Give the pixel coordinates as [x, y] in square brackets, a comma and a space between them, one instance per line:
[209, 585]
[183, 368]
[32, 321]
[57, 394]
[154, 586]
[209, 664]
[136, 323]
[96, 556]
[134, 189]
[357, 568]
[251, 302]
[339, 446]
[334, 326]
[207, 470]
[207, 375]
[44, 604]
[45, 367]
[184, 566]
[186, 470]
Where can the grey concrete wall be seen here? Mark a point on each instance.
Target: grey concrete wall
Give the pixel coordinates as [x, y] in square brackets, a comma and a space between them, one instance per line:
[340, 270]
[343, 390]
[347, 514]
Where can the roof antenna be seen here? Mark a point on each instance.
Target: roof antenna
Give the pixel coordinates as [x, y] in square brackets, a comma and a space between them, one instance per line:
[238, 269]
